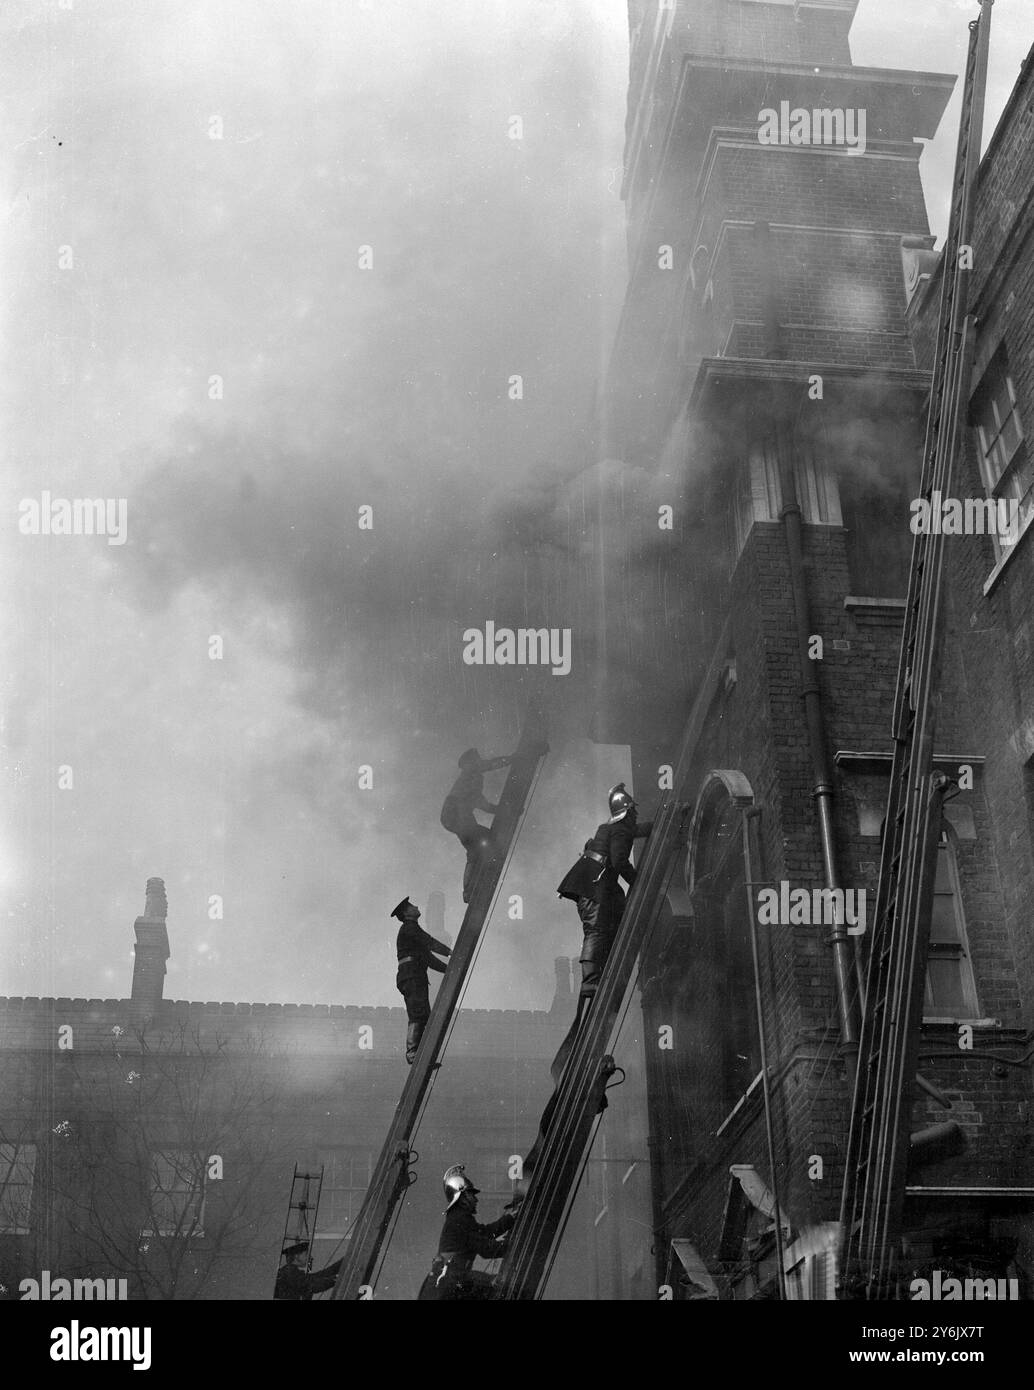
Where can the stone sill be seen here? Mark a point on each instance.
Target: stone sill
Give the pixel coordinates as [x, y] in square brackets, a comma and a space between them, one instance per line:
[886, 611]
[984, 1024]
[870, 761]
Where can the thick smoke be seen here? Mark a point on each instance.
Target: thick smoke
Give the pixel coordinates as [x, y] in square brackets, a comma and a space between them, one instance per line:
[248, 387]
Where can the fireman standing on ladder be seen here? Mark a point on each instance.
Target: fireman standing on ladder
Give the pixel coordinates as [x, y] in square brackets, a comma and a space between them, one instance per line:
[293, 1284]
[466, 796]
[416, 953]
[594, 884]
[452, 1276]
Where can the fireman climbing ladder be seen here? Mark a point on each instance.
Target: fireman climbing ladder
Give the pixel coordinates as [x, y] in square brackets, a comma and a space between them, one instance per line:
[580, 1094]
[302, 1210]
[392, 1174]
[872, 1206]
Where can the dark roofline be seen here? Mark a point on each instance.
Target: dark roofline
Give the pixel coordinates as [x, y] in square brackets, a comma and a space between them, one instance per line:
[922, 301]
[1007, 112]
[34, 1002]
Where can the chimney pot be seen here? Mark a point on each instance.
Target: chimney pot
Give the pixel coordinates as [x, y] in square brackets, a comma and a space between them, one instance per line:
[156, 906]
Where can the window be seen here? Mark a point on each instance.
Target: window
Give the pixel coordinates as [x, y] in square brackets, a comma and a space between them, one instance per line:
[346, 1176]
[17, 1166]
[873, 499]
[719, 896]
[177, 1194]
[757, 492]
[950, 989]
[1005, 465]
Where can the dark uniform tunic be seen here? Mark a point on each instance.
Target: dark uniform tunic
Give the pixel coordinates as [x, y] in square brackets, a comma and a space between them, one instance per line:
[294, 1285]
[594, 884]
[415, 952]
[452, 1277]
[466, 796]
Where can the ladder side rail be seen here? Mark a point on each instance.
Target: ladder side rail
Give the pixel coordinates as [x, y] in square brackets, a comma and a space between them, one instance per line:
[316, 1208]
[914, 887]
[524, 1268]
[904, 895]
[907, 1060]
[898, 1016]
[287, 1222]
[576, 1107]
[590, 1045]
[290, 1208]
[390, 1177]
[568, 1100]
[885, 953]
[917, 887]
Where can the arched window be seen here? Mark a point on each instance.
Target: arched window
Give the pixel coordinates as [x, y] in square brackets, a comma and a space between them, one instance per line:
[723, 959]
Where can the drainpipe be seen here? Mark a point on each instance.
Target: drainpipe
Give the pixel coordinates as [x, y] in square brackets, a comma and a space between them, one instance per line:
[843, 953]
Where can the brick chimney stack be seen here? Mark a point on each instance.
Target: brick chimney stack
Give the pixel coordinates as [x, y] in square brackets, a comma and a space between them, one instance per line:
[152, 951]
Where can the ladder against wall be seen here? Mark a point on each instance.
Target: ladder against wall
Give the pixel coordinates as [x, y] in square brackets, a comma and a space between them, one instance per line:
[302, 1211]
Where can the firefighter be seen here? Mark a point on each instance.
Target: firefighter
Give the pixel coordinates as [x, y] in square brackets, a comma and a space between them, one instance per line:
[452, 1276]
[466, 796]
[292, 1282]
[594, 885]
[416, 953]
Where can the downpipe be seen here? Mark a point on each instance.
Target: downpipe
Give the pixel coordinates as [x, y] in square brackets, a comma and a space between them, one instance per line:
[844, 962]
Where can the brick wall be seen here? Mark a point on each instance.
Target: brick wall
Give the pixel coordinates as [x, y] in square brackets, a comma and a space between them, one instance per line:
[802, 249]
[265, 1086]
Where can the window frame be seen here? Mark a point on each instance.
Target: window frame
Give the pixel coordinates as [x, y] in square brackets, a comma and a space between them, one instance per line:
[155, 1225]
[1014, 480]
[757, 492]
[330, 1158]
[15, 1227]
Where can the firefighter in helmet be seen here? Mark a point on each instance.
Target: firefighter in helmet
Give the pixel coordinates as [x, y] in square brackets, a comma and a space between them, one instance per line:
[466, 796]
[593, 883]
[452, 1275]
[293, 1282]
[416, 954]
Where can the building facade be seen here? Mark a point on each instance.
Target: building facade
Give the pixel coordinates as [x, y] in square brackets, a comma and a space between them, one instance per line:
[774, 349]
[154, 1141]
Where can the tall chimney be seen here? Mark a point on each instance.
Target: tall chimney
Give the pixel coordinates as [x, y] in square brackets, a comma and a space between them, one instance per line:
[151, 953]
